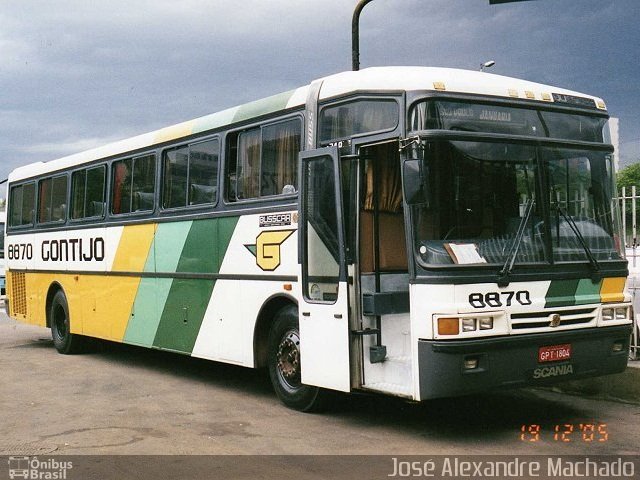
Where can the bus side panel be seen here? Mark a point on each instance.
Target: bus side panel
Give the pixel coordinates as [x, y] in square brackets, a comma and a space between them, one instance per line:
[204, 248]
[107, 299]
[256, 253]
[27, 294]
[153, 293]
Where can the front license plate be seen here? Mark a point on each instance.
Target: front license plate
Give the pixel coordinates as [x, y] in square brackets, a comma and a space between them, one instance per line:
[554, 353]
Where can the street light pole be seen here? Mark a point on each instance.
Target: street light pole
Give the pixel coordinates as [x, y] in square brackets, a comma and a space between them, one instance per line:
[355, 35]
[355, 29]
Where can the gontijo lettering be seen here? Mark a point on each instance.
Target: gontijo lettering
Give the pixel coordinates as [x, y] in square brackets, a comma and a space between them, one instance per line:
[73, 250]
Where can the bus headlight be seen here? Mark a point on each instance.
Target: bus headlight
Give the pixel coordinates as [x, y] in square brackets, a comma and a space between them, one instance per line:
[616, 313]
[486, 323]
[621, 313]
[457, 325]
[468, 324]
[608, 314]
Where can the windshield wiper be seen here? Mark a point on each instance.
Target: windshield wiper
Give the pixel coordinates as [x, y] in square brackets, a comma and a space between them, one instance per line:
[595, 266]
[503, 274]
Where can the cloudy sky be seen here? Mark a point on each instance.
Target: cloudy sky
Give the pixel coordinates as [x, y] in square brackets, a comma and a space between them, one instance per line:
[76, 74]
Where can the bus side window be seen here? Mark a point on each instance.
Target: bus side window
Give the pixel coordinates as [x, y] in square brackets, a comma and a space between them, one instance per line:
[263, 161]
[176, 166]
[143, 183]
[52, 199]
[190, 174]
[120, 195]
[87, 193]
[133, 185]
[203, 172]
[22, 205]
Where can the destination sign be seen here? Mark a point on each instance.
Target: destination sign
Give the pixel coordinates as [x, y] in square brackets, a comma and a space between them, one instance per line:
[478, 112]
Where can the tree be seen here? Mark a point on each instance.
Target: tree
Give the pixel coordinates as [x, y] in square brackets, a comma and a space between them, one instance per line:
[629, 176]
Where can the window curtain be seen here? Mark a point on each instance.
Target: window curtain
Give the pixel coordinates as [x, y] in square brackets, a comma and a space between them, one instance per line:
[287, 147]
[248, 169]
[389, 181]
[44, 214]
[118, 180]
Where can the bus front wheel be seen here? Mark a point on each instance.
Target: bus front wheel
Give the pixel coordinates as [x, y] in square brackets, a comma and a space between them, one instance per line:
[64, 341]
[284, 365]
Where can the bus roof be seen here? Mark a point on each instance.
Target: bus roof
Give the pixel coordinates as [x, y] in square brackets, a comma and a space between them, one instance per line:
[378, 79]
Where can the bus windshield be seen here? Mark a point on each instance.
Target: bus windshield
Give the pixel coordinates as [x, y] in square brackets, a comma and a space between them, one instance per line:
[481, 193]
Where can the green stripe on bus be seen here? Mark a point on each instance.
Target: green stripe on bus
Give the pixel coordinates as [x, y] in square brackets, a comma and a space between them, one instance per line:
[588, 292]
[561, 293]
[183, 312]
[168, 245]
[164, 256]
[263, 106]
[145, 314]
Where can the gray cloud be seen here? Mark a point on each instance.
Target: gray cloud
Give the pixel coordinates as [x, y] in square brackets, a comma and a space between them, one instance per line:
[76, 74]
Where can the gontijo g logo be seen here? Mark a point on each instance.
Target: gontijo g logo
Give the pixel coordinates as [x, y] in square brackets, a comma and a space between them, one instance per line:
[267, 248]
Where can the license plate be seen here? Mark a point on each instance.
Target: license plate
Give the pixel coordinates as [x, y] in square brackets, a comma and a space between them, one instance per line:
[554, 353]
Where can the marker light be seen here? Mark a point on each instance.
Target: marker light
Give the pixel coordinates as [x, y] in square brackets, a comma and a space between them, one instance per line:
[448, 326]
[617, 346]
[470, 363]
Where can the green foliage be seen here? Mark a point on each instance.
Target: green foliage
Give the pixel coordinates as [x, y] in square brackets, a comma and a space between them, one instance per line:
[629, 176]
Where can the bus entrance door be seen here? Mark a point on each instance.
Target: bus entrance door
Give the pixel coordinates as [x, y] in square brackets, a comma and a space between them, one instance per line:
[324, 306]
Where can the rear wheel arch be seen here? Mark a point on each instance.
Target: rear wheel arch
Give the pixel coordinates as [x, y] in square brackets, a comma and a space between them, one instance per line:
[54, 288]
[64, 340]
[264, 321]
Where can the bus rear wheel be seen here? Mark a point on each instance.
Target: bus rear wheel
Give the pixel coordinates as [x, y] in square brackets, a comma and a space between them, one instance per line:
[284, 365]
[64, 341]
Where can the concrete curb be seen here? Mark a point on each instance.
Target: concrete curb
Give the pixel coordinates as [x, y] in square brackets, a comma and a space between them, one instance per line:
[621, 387]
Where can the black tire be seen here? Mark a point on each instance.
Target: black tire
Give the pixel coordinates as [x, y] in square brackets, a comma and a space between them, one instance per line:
[65, 342]
[284, 365]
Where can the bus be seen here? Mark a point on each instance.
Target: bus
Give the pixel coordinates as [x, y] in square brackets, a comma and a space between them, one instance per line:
[411, 231]
[3, 218]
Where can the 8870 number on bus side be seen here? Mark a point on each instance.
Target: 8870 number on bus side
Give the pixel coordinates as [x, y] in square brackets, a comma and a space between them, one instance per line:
[20, 251]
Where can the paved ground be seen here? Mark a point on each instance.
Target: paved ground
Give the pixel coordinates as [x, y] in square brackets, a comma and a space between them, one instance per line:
[125, 400]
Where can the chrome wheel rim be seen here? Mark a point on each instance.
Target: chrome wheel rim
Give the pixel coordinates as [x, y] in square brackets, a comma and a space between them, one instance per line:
[288, 360]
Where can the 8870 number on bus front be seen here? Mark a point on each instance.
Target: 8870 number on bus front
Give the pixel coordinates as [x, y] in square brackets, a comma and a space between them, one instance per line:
[499, 299]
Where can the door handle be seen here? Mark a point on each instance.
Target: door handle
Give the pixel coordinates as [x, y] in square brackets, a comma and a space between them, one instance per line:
[306, 314]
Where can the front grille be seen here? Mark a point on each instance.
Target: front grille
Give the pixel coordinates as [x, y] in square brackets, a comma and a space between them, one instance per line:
[541, 320]
[18, 294]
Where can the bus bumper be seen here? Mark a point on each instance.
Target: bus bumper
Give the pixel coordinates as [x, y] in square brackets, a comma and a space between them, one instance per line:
[513, 361]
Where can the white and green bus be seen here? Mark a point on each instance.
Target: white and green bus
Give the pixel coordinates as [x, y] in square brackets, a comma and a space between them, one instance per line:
[3, 217]
[419, 232]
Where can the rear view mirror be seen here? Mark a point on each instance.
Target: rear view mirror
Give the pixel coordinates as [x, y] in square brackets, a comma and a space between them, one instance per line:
[415, 190]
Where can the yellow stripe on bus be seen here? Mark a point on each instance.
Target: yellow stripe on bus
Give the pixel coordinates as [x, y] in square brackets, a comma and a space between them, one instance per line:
[612, 290]
[106, 305]
[118, 293]
[133, 249]
[175, 131]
